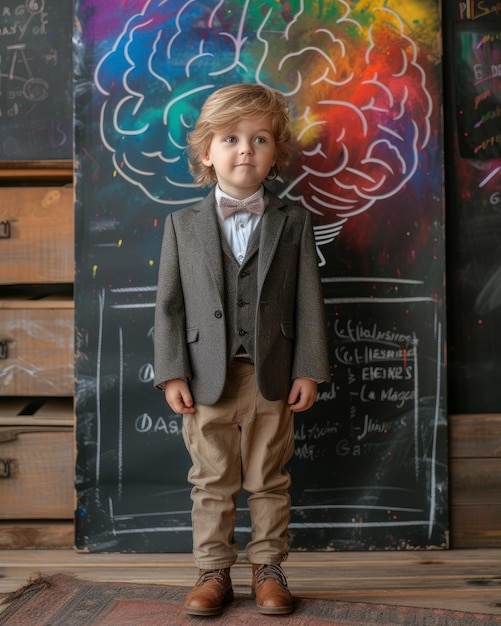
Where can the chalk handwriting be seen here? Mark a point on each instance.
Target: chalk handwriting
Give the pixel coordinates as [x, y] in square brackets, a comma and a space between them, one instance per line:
[386, 373]
[372, 426]
[305, 452]
[316, 431]
[473, 9]
[359, 331]
[145, 424]
[326, 396]
[146, 373]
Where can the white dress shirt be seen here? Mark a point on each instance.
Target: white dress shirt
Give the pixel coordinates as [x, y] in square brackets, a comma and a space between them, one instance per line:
[239, 227]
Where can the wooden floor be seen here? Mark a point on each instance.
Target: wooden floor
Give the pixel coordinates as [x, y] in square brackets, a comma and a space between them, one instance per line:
[468, 580]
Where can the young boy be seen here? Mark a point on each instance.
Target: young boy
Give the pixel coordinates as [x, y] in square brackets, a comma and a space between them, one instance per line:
[240, 340]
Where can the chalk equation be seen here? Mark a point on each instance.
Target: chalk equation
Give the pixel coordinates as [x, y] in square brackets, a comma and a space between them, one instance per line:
[477, 49]
[35, 79]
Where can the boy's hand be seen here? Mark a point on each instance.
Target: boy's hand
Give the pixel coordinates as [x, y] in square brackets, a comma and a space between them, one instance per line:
[302, 394]
[178, 396]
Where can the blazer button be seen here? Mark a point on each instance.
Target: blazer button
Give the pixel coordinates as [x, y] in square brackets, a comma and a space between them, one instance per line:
[218, 314]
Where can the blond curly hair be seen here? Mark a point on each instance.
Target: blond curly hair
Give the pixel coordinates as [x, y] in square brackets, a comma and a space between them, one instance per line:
[220, 113]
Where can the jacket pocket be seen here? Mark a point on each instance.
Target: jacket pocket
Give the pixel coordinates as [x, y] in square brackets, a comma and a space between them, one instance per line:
[191, 335]
[287, 329]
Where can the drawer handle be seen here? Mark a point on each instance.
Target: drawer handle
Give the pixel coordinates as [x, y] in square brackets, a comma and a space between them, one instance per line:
[5, 229]
[4, 468]
[4, 349]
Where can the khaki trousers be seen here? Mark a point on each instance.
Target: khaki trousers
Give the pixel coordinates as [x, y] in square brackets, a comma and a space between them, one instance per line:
[242, 442]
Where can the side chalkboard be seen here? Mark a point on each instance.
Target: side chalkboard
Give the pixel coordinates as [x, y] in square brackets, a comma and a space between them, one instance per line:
[36, 80]
[472, 54]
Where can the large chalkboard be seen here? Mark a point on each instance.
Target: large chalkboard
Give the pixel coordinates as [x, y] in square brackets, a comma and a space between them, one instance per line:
[369, 470]
[36, 108]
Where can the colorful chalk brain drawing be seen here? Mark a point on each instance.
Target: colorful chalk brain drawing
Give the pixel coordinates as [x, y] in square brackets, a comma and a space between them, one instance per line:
[360, 106]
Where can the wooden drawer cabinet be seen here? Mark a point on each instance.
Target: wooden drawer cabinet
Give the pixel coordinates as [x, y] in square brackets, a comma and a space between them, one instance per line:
[36, 235]
[36, 346]
[36, 459]
[37, 264]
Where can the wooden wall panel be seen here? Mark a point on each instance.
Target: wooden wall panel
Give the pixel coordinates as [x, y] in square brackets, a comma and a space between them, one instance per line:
[475, 436]
[475, 480]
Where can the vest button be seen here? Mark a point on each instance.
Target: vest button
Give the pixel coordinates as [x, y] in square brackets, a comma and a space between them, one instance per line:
[242, 332]
[218, 314]
[243, 274]
[241, 303]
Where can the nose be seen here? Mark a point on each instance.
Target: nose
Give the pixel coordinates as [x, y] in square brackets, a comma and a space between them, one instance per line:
[246, 147]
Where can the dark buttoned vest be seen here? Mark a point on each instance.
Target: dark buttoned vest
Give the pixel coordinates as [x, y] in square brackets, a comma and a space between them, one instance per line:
[240, 282]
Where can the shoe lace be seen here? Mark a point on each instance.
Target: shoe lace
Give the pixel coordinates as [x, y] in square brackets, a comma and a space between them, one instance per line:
[211, 574]
[271, 571]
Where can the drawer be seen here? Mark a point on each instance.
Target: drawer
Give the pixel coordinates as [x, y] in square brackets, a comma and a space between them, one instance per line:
[36, 347]
[36, 473]
[36, 235]
[36, 411]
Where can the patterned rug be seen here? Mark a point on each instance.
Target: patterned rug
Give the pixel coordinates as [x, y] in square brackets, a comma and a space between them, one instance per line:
[62, 600]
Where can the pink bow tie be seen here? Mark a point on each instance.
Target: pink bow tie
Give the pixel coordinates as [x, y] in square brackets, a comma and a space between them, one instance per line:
[229, 206]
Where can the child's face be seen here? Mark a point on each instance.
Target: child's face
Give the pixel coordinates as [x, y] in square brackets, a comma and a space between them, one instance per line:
[242, 159]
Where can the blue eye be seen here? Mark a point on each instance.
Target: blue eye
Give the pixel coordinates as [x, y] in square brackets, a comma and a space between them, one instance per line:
[231, 139]
[260, 139]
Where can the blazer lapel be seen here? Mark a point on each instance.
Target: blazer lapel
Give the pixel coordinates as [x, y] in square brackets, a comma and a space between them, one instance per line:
[208, 235]
[272, 225]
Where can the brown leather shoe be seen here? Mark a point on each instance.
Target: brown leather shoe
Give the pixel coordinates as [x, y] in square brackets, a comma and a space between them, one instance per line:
[270, 586]
[211, 592]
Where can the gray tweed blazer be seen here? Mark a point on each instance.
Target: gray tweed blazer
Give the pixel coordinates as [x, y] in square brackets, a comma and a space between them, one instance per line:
[190, 330]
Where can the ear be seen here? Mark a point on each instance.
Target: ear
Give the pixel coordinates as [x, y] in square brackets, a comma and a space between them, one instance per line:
[206, 159]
